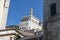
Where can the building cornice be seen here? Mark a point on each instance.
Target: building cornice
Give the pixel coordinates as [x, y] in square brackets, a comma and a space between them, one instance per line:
[10, 31]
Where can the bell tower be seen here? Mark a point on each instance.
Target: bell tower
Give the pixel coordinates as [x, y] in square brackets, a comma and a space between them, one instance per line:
[31, 11]
[4, 6]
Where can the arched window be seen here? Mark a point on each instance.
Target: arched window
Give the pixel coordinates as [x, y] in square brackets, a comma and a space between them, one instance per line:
[53, 9]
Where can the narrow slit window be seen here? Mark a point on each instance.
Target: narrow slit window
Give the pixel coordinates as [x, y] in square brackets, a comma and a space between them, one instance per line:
[53, 9]
[4, 2]
[10, 38]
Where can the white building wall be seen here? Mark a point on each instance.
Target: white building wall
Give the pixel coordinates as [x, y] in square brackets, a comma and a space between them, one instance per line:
[7, 37]
[23, 25]
[34, 24]
[3, 13]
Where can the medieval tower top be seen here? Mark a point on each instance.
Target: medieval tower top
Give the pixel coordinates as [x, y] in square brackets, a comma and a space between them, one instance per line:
[4, 6]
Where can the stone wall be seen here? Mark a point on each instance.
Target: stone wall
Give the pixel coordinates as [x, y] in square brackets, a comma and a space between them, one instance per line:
[51, 23]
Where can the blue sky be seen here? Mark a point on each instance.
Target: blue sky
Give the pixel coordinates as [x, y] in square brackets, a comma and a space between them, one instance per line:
[20, 8]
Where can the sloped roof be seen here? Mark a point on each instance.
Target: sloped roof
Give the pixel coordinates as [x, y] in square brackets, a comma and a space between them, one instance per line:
[10, 31]
[27, 34]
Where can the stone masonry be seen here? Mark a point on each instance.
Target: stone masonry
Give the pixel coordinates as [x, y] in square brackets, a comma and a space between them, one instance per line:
[51, 23]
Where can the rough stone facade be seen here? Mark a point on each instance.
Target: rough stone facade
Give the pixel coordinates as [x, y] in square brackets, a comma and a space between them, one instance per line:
[51, 23]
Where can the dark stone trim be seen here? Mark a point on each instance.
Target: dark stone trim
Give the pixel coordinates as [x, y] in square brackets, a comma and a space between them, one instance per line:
[7, 34]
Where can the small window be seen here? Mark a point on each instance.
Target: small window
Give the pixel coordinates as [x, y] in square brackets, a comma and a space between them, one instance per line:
[23, 28]
[29, 28]
[4, 2]
[10, 38]
[39, 23]
[53, 9]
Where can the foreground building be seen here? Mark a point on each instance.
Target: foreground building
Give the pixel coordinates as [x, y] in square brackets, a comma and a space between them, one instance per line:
[51, 19]
[38, 35]
[10, 34]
